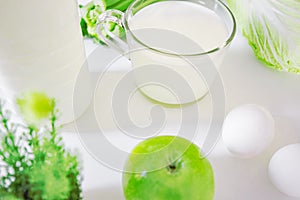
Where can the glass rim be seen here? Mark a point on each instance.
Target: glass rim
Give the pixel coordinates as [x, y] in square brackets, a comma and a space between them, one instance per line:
[228, 40]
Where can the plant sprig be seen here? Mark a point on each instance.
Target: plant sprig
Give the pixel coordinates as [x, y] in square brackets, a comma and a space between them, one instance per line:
[33, 162]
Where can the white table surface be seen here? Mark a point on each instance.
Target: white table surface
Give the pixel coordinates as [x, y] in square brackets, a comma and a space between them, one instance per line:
[245, 80]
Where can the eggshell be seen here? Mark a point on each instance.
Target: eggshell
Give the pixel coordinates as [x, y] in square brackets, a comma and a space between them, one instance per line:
[248, 130]
[284, 170]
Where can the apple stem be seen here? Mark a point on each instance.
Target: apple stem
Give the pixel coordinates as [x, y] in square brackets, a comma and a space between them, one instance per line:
[171, 167]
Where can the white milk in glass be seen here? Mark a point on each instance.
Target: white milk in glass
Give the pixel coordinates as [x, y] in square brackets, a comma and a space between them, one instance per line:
[41, 49]
[177, 27]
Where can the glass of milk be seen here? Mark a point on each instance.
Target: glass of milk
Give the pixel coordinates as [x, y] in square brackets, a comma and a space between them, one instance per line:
[176, 47]
[41, 49]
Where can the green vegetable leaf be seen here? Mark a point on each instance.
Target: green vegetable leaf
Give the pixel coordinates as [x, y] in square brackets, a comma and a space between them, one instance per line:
[83, 26]
[90, 13]
[272, 28]
[121, 5]
[109, 3]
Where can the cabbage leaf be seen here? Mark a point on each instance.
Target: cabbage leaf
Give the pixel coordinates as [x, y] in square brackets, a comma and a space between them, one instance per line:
[272, 28]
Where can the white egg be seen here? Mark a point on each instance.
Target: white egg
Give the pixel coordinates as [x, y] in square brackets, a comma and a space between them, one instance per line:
[248, 130]
[284, 170]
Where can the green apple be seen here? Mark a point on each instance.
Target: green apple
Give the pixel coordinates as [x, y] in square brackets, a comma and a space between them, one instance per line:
[167, 167]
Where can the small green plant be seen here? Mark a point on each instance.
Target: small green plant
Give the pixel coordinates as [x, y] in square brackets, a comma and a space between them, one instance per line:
[33, 162]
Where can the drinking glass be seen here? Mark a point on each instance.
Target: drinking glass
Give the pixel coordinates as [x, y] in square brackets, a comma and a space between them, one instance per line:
[171, 66]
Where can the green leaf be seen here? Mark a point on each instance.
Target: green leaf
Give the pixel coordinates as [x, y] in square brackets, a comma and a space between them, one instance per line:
[272, 29]
[118, 5]
[83, 26]
[109, 3]
[7, 196]
[90, 13]
[34, 162]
